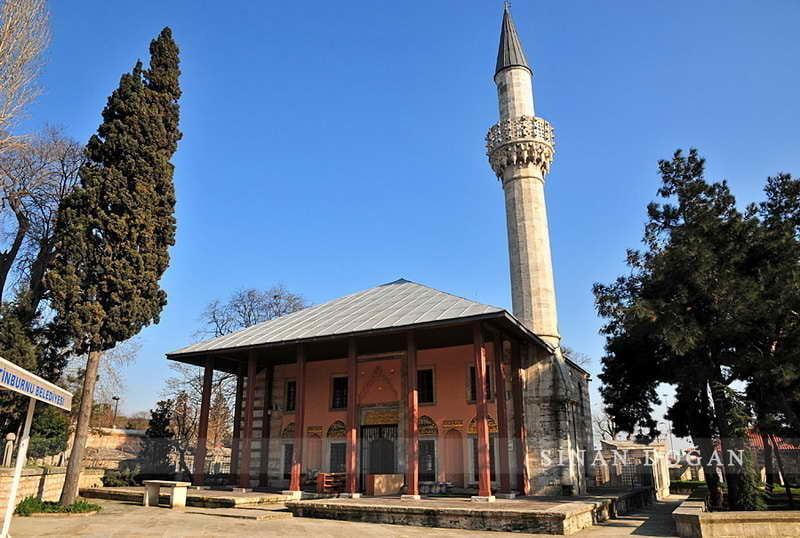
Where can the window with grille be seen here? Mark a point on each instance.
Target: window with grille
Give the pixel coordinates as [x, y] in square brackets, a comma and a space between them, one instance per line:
[473, 395]
[425, 386]
[288, 455]
[338, 457]
[339, 396]
[291, 395]
[475, 458]
[427, 460]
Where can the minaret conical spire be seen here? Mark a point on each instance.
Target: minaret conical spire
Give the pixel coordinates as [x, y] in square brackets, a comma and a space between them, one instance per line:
[510, 53]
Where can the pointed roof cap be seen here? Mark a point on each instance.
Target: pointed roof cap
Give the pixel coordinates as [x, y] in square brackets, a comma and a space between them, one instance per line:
[510, 53]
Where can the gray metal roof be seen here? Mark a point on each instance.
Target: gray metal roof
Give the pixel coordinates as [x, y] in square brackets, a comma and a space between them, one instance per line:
[510, 52]
[396, 304]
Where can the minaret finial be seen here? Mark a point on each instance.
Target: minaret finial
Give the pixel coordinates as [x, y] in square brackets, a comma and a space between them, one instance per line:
[510, 53]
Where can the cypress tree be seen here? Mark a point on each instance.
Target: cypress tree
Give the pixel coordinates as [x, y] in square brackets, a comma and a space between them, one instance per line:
[114, 230]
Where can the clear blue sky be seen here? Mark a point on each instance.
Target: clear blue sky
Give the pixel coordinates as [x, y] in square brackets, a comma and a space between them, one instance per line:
[334, 146]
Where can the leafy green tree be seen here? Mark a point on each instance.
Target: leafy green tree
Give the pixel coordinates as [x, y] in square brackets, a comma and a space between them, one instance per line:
[16, 347]
[49, 432]
[158, 442]
[113, 231]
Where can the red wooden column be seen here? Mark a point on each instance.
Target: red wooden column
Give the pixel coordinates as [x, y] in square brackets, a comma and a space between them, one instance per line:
[237, 424]
[502, 416]
[299, 415]
[247, 438]
[263, 478]
[412, 452]
[202, 428]
[484, 472]
[520, 448]
[351, 482]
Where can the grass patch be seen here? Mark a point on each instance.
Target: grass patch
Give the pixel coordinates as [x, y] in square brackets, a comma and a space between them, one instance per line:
[688, 483]
[34, 505]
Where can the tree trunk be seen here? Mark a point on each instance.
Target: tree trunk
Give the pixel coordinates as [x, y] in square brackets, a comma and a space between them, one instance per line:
[728, 444]
[182, 463]
[72, 479]
[769, 471]
[8, 257]
[783, 471]
[36, 287]
[706, 446]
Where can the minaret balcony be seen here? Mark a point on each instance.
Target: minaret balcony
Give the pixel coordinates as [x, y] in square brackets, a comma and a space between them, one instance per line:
[522, 141]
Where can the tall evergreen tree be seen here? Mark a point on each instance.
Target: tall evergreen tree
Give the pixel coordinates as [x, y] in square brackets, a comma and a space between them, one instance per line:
[678, 318]
[114, 230]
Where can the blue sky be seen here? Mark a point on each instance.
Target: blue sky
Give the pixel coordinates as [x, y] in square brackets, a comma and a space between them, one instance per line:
[334, 146]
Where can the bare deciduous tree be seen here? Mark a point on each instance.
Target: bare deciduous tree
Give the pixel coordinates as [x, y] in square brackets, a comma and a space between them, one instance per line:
[34, 178]
[243, 309]
[110, 375]
[24, 36]
[605, 426]
[184, 423]
[581, 359]
[248, 307]
[219, 419]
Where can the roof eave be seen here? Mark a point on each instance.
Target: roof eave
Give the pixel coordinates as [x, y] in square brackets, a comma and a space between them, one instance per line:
[502, 314]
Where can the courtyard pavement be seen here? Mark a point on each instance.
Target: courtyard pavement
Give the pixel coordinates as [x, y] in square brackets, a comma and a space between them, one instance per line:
[129, 519]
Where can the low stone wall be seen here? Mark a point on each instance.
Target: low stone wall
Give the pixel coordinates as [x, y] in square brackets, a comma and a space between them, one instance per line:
[43, 482]
[693, 521]
[520, 515]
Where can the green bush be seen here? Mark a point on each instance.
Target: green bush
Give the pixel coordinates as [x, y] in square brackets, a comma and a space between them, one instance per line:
[34, 505]
[124, 477]
[688, 483]
[28, 506]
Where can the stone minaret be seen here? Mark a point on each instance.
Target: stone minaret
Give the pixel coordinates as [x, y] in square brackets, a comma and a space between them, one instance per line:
[520, 150]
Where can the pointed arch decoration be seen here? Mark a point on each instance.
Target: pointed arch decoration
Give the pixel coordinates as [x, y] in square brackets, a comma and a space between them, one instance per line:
[427, 426]
[336, 430]
[288, 431]
[473, 426]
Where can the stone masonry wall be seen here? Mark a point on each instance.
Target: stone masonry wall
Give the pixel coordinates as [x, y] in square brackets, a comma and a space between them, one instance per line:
[558, 423]
[45, 483]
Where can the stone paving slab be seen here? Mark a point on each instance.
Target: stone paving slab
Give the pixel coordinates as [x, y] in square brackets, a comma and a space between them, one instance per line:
[252, 513]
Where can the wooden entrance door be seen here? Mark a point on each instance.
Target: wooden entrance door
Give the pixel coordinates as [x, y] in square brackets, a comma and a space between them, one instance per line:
[381, 456]
[378, 449]
[454, 457]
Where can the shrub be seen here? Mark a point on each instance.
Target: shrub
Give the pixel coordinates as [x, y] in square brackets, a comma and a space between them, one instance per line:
[124, 477]
[34, 505]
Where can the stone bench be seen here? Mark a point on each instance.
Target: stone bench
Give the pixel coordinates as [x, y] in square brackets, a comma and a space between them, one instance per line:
[177, 494]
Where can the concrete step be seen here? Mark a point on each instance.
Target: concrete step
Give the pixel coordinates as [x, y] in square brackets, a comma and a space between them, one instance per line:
[250, 512]
[277, 507]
